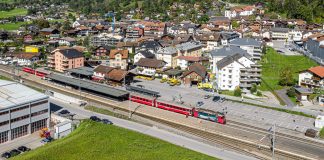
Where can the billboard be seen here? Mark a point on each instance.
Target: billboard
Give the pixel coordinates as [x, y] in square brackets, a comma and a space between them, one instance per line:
[31, 49]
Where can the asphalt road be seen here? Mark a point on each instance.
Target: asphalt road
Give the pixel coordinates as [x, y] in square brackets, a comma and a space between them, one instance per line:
[158, 133]
[284, 97]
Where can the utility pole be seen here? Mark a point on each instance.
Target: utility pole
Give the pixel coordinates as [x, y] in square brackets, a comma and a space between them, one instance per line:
[80, 86]
[273, 141]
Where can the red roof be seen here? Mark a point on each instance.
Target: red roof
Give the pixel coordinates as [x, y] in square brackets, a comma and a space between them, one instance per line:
[319, 71]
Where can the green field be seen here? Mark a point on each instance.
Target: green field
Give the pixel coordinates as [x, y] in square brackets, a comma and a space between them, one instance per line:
[14, 12]
[273, 62]
[12, 26]
[96, 141]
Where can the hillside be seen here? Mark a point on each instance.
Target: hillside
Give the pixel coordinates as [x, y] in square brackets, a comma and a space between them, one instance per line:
[98, 141]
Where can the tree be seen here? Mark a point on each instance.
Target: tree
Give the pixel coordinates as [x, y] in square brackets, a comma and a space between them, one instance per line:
[235, 24]
[286, 77]
[42, 23]
[203, 19]
[66, 25]
[237, 92]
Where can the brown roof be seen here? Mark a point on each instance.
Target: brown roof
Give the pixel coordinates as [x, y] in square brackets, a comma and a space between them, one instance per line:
[114, 52]
[193, 59]
[25, 55]
[127, 44]
[319, 71]
[320, 39]
[315, 35]
[152, 63]
[116, 74]
[103, 69]
[209, 37]
[197, 68]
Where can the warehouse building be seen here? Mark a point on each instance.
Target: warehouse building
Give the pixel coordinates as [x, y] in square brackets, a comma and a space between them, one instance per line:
[22, 111]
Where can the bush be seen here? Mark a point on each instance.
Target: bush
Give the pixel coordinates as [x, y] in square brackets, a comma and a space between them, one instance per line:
[253, 88]
[259, 93]
[321, 133]
[237, 92]
[291, 92]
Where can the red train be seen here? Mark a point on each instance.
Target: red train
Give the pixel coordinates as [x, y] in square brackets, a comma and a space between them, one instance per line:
[33, 71]
[198, 113]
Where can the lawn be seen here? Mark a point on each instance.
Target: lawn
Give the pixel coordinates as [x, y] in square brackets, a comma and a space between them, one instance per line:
[12, 26]
[92, 140]
[14, 12]
[273, 62]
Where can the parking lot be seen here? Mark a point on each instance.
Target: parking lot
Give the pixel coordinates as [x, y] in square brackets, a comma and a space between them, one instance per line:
[284, 48]
[249, 114]
[31, 141]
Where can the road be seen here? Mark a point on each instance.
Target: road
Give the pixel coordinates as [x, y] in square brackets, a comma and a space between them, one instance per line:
[284, 97]
[158, 133]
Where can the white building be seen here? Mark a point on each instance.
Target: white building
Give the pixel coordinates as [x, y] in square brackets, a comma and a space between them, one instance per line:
[149, 67]
[237, 71]
[143, 54]
[252, 47]
[312, 78]
[279, 33]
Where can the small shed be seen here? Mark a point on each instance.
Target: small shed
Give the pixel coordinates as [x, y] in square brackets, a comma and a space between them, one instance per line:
[303, 93]
[319, 121]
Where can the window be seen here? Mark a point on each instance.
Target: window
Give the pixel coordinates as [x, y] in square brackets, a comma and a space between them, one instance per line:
[35, 126]
[3, 113]
[229, 76]
[38, 103]
[39, 112]
[18, 109]
[4, 123]
[19, 118]
[3, 137]
[19, 131]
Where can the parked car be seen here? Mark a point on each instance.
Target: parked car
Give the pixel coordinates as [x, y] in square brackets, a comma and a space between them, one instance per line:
[95, 118]
[23, 149]
[46, 140]
[14, 152]
[64, 112]
[140, 86]
[206, 96]
[106, 121]
[222, 99]
[208, 89]
[280, 51]
[311, 133]
[216, 98]
[6, 155]
[200, 103]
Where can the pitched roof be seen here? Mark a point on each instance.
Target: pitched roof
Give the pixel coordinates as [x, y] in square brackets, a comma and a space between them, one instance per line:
[193, 59]
[245, 42]
[71, 53]
[228, 60]
[197, 68]
[103, 69]
[319, 71]
[150, 44]
[152, 63]
[114, 52]
[25, 55]
[228, 51]
[147, 54]
[209, 37]
[116, 74]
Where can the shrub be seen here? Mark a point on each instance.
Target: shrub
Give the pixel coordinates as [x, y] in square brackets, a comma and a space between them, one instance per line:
[321, 133]
[291, 92]
[259, 93]
[237, 92]
[253, 88]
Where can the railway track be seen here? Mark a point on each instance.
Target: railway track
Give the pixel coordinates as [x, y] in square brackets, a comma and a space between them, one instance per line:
[278, 134]
[250, 148]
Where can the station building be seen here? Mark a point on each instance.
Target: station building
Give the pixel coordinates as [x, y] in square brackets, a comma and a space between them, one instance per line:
[22, 111]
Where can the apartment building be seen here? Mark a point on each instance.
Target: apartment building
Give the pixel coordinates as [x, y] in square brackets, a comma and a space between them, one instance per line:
[315, 44]
[23, 111]
[237, 71]
[252, 47]
[105, 39]
[118, 58]
[64, 59]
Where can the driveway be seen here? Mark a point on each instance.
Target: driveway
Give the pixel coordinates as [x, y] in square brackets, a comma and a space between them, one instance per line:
[283, 95]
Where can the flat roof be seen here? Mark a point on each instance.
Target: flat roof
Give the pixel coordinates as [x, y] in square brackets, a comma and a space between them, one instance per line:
[103, 89]
[87, 71]
[13, 94]
[143, 90]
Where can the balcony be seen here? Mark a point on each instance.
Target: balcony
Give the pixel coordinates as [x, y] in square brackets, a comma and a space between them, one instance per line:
[50, 57]
[245, 85]
[310, 82]
[65, 64]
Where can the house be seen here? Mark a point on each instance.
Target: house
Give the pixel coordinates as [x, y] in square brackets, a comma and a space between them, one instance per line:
[195, 74]
[185, 61]
[105, 39]
[303, 93]
[279, 33]
[239, 11]
[130, 46]
[149, 67]
[219, 54]
[152, 46]
[28, 38]
[209, 41]
[217, 23]
[118, 58]
[228, 36]
[119, 77]
[143, 54]
[237, 71]
[67, 41]
[49, 31]
[252, 46]
[100, 72]
[192, 48]
[101, 51]
[168, 55]
[24, 58]
[312, 78]
[64, 59]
